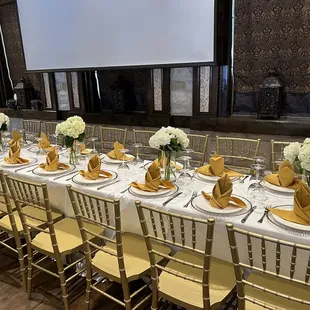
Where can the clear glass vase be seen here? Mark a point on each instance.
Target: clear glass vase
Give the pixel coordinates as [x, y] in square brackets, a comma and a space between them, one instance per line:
[306, 177]
[168, 162]
[74, 153]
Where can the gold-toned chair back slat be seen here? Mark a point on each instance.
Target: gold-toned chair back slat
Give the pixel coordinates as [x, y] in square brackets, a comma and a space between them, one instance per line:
[109, 135]
[199, 143]
[277, 147]
[238, 152]
[143, 137]
[150, 218]
[32, 127]
[265, 269]
[49, 128]
[89, 131]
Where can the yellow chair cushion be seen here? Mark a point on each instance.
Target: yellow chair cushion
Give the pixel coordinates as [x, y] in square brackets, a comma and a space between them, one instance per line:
[5, 223]
[276, 284]
[189, 294]
[136, 257]
[68, 237]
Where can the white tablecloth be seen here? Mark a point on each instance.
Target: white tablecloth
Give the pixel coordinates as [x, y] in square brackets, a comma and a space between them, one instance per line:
[59, 198]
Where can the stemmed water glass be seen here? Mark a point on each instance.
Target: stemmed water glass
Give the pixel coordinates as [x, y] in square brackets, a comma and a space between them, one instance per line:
[185, 178]
[93, 150]
[261, 160]
[6, 138]
[55, 140]
[137, 158]
[123, 169]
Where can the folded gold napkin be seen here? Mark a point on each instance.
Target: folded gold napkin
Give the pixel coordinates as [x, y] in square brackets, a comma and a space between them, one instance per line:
[44, 143]
[83, 149]
[285, 176]
[153, 181]
[301, 210]
[94, 172]
[163, 162]
[52, 161]
[116, 154]
[16, 137]
[216, 168]
[14, 155]
[221, 195]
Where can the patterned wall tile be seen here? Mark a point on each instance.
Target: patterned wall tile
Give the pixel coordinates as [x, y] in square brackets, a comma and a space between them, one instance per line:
[47, 89]
[158, 90]
[204, 89]
[75, 89]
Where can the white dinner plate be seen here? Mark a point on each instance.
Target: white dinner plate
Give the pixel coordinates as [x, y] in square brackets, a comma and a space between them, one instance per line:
[7, 165]
[43, 172]
[203, 204]
[79, 179]
[211, 178]
[160, 193]
[109, 160]
[146, 166]
[288, 224]
[279, 188]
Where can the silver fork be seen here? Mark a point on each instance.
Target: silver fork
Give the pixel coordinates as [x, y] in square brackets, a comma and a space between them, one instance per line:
[265, 213]
[242, 180]
[194, 195]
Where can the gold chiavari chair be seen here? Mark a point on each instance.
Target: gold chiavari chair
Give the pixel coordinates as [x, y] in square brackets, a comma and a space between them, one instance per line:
[8, 235]
[122, 259]
[238, 152]
[32, 127]
[89, 131]
[49, 128]
[266, 289]
[143, 137]
[277, 147]
[109, 135]
[192, 279]
[198, 143]
[60, 238]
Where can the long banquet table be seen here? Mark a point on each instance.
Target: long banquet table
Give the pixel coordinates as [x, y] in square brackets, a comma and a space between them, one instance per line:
[130, 223]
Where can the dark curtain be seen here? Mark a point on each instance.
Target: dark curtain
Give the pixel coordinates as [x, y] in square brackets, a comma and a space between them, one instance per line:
[272, 35]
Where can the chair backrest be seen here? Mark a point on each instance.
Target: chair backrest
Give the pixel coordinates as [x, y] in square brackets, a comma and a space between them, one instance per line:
[32, 126]
[238, 152]
[150, 218]
[277, 147]
[198, 143]
[89, 131]
[35, 195]
[109, 135]
[49, 128]
[265, 269]
[104, 213]
[143, 137]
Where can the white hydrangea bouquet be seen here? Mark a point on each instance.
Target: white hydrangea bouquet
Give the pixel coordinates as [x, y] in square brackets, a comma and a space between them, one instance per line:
[4, 122]
[169, 141]
[299, 155]
[72, 130]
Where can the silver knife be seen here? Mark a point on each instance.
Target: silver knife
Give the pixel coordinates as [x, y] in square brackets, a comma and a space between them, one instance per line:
[174, 196]
[25, 168]
[246, 217]
[64, 175]
[72, 176]
[106, 185]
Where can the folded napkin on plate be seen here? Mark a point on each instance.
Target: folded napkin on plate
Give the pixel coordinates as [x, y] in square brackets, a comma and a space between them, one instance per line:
[94, 172]
[44, 143]
[83, 149]
[16, 137]
[301, 210]
[153, 181]
[163, 162]
[116, 154]
[14, 155]
[216, 168]
[285, 176]
[52, 161]
[221, 195]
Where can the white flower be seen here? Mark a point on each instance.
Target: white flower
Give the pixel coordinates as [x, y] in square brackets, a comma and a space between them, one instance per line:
[73, 127]
[304, 156]
[4, 119]
[291, 151]
[307, 141]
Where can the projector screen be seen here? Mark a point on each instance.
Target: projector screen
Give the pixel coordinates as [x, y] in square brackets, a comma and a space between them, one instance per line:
[81, 34]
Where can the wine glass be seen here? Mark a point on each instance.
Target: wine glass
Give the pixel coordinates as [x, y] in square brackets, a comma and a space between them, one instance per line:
[185, 178]
[30, 138]
[93, 150]
[6, 138]
[123, 169]
[137, 159]
[261, 160]
[256, 191]
[55, 141]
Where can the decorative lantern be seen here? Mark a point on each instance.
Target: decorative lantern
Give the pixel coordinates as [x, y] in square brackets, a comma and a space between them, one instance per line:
[270, 97]
[24, 92]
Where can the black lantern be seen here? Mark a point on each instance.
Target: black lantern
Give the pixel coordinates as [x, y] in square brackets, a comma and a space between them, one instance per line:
[270, 97]
[24, 93]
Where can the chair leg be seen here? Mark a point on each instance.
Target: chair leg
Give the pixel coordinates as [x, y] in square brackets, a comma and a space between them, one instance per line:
[63, 285]
[29, 277]
[21, 260]
[88, 283]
